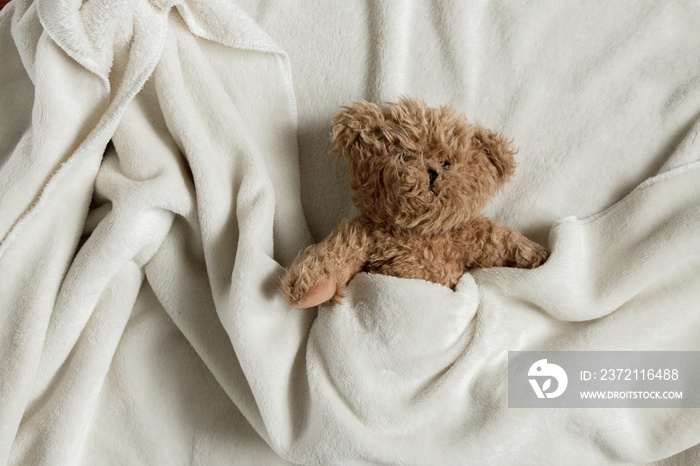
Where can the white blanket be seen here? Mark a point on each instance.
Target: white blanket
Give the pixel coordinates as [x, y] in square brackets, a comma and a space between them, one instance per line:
[155, 158]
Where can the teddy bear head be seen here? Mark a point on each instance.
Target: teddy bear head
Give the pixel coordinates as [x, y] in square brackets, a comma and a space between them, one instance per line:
[421, 168]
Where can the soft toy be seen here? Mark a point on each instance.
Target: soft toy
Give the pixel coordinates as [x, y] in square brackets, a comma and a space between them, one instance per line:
[420, 177]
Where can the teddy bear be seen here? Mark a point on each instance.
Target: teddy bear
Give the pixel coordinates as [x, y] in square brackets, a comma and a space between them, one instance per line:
[420, 177]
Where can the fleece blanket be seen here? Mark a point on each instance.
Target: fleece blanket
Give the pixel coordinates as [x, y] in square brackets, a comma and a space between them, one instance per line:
[161, 162]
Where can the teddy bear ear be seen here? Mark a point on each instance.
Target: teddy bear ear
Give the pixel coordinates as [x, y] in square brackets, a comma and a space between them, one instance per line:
[357, 123]
[498, 150]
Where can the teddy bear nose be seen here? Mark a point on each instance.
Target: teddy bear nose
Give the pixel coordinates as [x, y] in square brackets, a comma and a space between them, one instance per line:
[432, 174]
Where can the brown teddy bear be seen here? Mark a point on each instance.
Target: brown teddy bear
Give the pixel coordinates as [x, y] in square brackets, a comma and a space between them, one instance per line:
[420, 177]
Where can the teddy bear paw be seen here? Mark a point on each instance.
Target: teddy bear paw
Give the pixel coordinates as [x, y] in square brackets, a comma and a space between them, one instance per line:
[317, 294]
[531, 255]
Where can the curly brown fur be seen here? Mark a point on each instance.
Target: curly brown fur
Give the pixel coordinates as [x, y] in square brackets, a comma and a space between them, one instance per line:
[420, 177]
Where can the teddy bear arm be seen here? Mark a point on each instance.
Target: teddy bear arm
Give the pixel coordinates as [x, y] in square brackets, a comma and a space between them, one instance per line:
[323, 270]
[505, 247]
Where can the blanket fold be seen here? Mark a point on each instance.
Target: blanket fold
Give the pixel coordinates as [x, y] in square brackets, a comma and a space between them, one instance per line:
[63, 325]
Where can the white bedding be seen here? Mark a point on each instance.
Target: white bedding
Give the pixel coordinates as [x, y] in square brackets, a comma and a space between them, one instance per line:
[161, 162]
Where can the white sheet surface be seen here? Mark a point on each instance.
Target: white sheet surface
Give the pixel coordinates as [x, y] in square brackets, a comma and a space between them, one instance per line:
[155, 160]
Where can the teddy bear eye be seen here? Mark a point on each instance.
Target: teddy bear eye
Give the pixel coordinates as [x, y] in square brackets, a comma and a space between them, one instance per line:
[446, 165]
